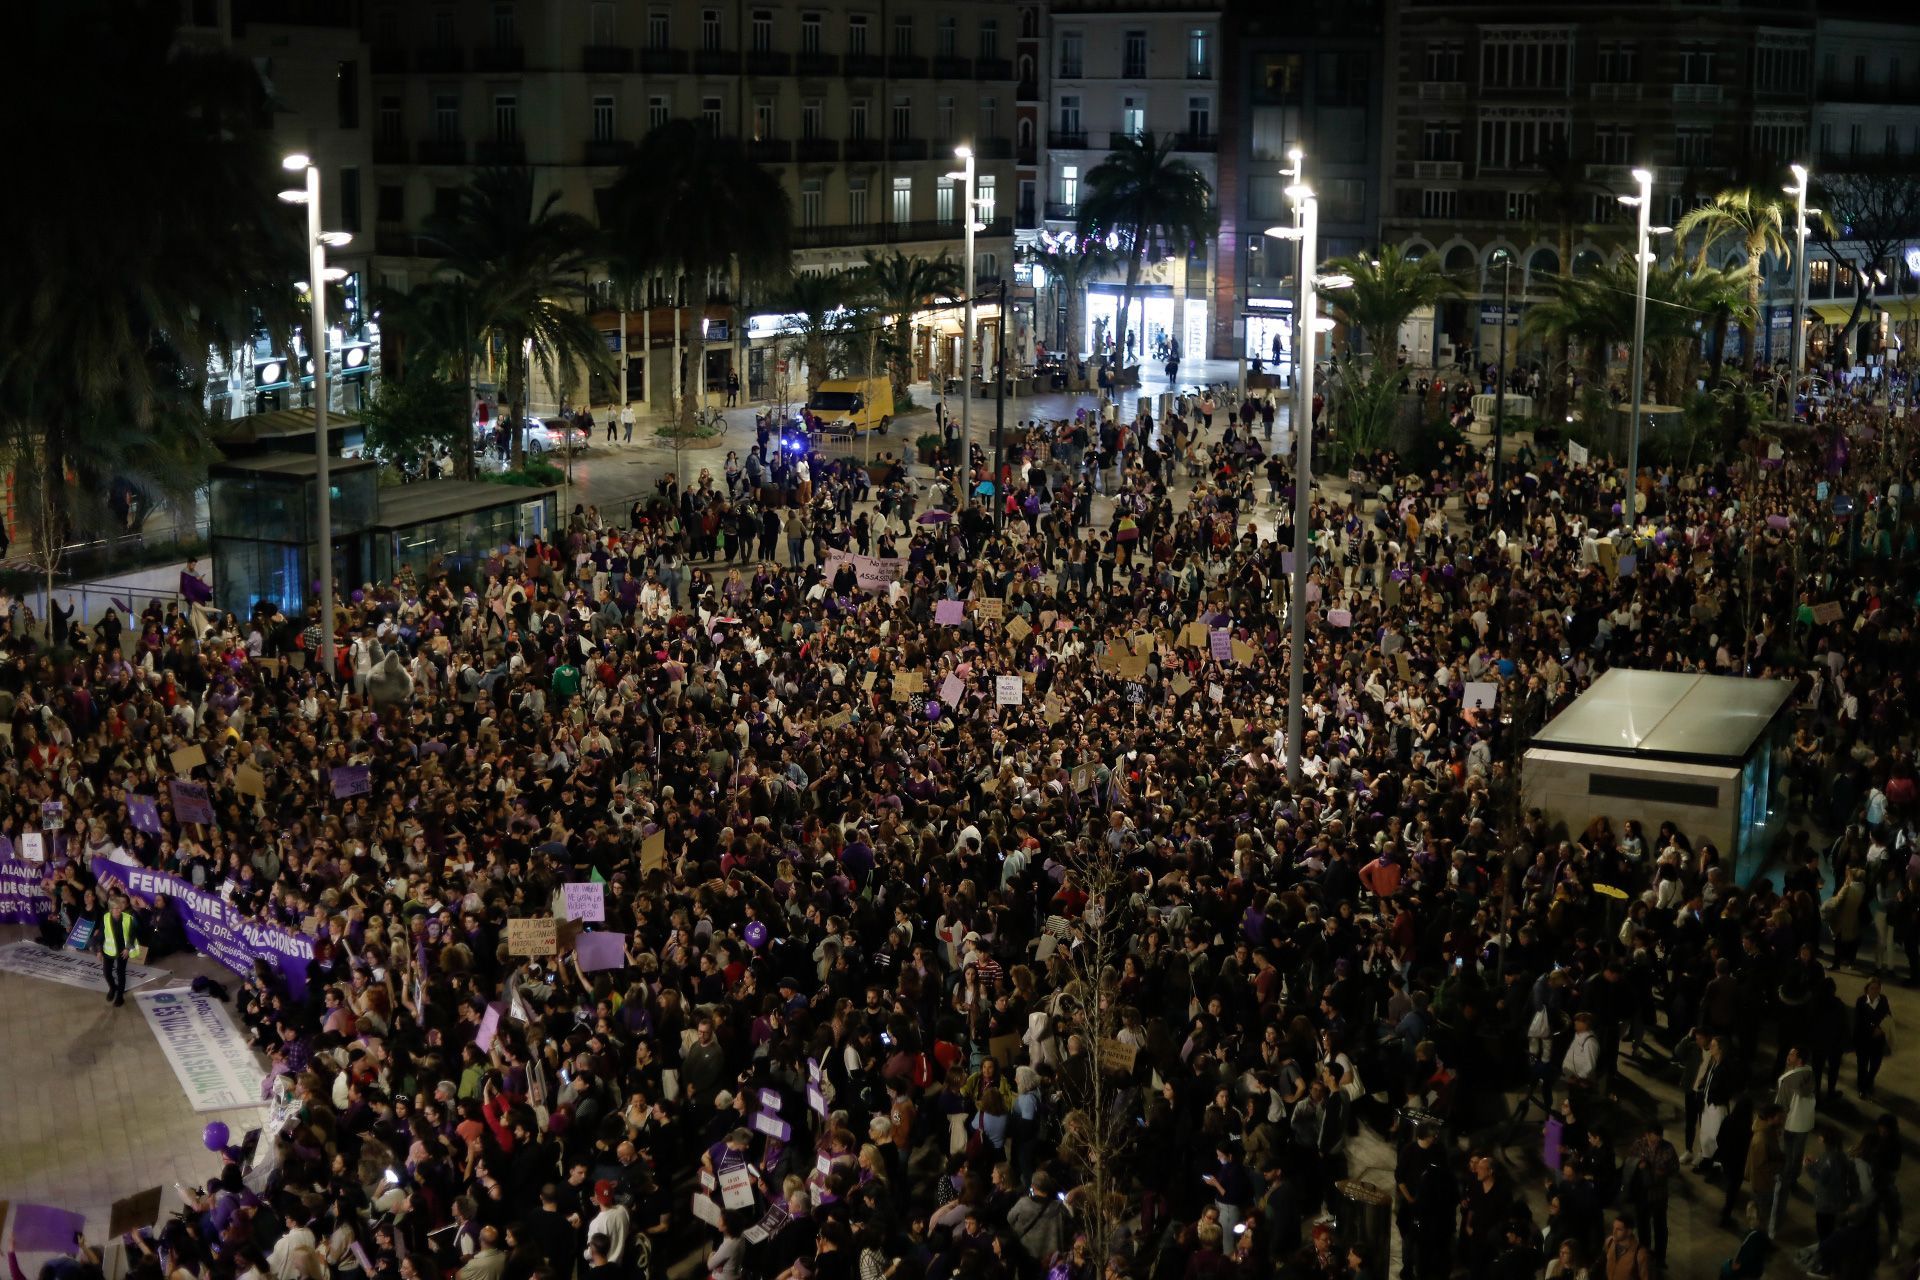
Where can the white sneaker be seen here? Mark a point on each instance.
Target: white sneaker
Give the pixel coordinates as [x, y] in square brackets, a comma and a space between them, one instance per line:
[1687, 1158]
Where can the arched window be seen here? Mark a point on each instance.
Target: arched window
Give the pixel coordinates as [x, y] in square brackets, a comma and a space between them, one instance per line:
[1545, 263]
[1460, 258]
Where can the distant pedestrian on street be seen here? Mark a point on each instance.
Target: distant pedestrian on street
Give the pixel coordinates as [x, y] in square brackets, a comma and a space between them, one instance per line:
[626, 420]
[118, 935]
[733, 390]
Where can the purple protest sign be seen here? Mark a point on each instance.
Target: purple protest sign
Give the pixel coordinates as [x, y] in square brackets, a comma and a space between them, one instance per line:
[190, 803]
[42, 1228]
[215, 928]
[489, 1028]
[1220, 644]
[950, 613]
[351, 780]
[1779, 522]
[144, 813]
[597, 951]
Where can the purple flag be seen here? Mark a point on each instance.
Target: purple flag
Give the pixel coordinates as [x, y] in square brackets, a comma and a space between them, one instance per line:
[352, 780]
[195, 589]
[144, 813]
[124, 606]
[42, 1228]
[190, 803]
[598, 951]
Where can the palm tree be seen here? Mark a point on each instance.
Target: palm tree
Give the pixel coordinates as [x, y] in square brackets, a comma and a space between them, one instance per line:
[164, 246]
[1385, 291]
[1756, 218]
[898, 285]
[818, 333]
[1563, 197]
[698, 208]
[1153, 201]
[1070, 269]
[525, 264]
[1596, 313]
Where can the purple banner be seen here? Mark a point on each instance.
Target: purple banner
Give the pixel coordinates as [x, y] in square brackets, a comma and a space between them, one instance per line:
[351, 780]
[190, 802]
[42, 1228]
[598, 951]
[144, 813]
[217, 929]
[22, 899]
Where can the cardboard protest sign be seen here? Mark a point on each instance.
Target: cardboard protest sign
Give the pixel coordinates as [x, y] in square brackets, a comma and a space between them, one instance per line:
[586, 901]
[1828, 613]
[190, 802]
[838, 719]
[249, 781]
[186, 758]
[350, 780]
[131, 1213]
[1242, 652]
[532, 936]
[992, 609]
[952, 689]
[1479, 695]
[653, 853]
[1117, 1056]
[1181, 685]
[1019, 629]
[1339, 618]
[33, 846]
[1009, 691]
[1133, 666]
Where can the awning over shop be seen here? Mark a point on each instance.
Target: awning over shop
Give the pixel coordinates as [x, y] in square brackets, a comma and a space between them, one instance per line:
[1899, 310]
[1831, 312]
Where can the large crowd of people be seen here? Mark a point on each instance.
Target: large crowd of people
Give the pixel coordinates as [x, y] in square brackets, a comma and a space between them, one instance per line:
[970, 926]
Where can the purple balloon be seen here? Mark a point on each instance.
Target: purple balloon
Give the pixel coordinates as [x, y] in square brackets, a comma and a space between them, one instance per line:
[214, 1136]
[756, 934]
[933, 710]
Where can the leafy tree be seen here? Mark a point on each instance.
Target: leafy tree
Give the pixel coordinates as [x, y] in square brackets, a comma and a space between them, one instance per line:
[1595, 314]
[525, 262]
[699, 209]
[1154, 201]
[898, 285]
[415, 415]
[152, 235]
[1875, 204]
[1384, 293]
[1071, 269]
[1754, 217]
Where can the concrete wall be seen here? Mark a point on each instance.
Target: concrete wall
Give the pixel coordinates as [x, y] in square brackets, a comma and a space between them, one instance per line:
[1558, 783]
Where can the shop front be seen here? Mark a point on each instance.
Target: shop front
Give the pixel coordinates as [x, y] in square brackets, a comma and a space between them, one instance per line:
[1157, 315]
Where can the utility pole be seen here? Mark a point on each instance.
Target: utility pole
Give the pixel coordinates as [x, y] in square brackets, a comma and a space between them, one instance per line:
[1000, 400]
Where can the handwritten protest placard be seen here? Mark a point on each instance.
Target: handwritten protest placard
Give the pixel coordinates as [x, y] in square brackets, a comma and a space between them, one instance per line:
[585, 901]
[532, 936]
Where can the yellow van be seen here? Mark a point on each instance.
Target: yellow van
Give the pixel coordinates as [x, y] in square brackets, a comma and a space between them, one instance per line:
[853, 404]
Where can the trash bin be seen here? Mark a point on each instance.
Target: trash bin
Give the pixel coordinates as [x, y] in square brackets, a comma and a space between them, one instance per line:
[1363, 1218]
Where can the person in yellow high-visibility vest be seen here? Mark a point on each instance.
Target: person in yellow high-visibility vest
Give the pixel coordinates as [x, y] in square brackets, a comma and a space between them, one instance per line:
[119, 934]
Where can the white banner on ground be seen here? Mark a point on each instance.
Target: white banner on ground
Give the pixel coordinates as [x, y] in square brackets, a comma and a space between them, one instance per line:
[68, 968]
[214, 1062]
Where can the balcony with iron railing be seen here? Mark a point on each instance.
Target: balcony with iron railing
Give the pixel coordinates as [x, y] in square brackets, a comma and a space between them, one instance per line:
[439, 59]
[660, 62]
[907, 66]
[816, 64]
[499, 58]
[864, 150]
[1061, 211]
[606, 59]
[390, 150]
[907, 149]
[993, 148]
[770, 150]
[1441, 90]
[951, 68]
[1901, 95]
[1615, 91]
[1065, 140]
[510, 151]
[1026, 217]
[443, 151]
[863, 66]
[1439, 169]
[993, 69]
[817, 150]
[1697, 94]
[715, 62]
[1203, 142]
[769, 62]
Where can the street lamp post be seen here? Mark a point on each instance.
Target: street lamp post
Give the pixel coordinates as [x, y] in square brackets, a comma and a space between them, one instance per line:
[1799, 342]
[1306, 261]
[318, 276]
[1500, 388]
[1643, 252]
[966, 335]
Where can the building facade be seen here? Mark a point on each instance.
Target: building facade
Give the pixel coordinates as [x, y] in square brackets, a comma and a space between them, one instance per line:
[1129, 67]
[856, 104]
[1314, 82]
[1484, 106]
